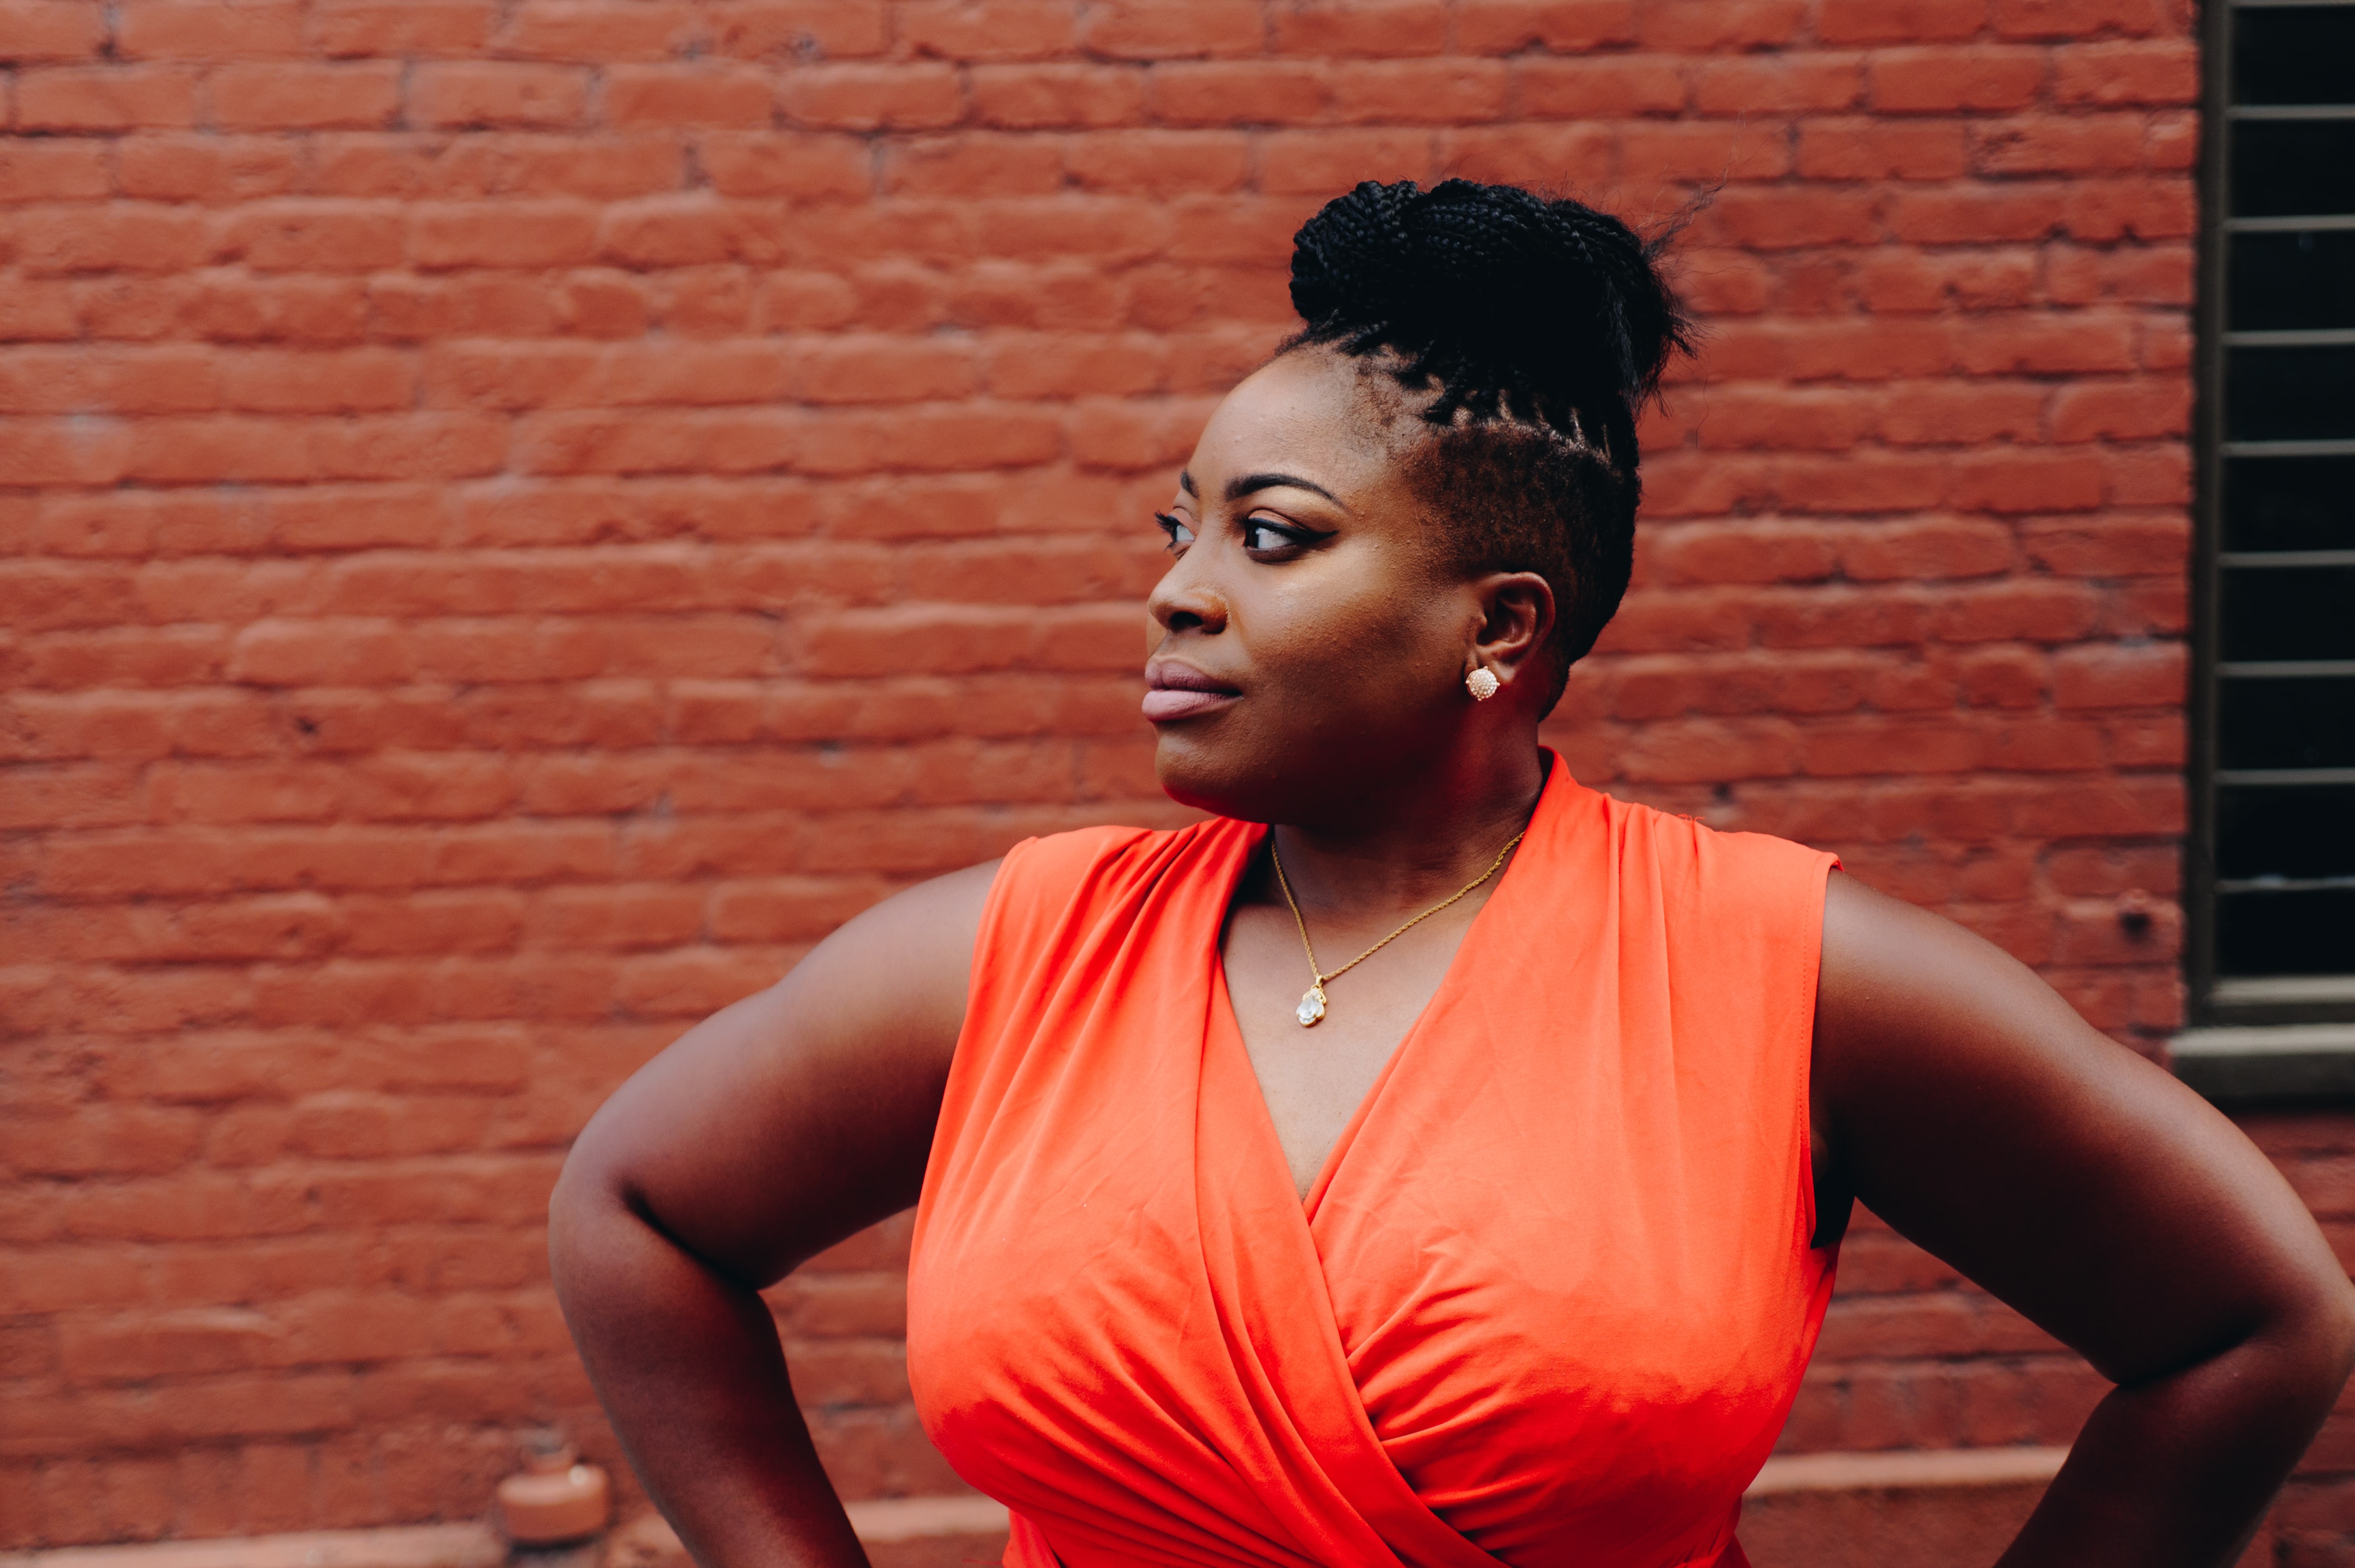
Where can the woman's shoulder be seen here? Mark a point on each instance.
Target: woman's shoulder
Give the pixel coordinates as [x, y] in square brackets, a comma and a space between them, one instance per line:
[1047, 876]
[1682, 844]
[1718, 896]
[1070, 855]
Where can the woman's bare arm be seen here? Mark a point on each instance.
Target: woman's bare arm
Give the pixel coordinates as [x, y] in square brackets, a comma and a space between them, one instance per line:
[769, 1132]
[1972, 1109]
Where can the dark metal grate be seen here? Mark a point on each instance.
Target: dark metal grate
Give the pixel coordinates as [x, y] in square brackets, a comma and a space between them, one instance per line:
[2274, 850]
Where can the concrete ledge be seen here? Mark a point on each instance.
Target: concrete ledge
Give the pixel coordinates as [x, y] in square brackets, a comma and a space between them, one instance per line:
[906, 1522]
[909, 1518]
[1908, 1471]
[406, 1546]
[2256, 1064]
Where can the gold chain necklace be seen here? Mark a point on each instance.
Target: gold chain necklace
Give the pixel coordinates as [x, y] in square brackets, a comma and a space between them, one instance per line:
[1312, 1001]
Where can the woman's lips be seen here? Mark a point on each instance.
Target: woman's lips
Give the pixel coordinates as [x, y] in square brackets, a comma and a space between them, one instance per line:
[1177, 702]
[1181, 691]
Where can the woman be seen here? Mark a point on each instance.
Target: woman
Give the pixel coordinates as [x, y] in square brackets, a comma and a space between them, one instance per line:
[1452, 1173]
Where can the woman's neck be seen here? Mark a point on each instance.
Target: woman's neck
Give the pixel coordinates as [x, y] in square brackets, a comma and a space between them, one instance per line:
[1415, 838]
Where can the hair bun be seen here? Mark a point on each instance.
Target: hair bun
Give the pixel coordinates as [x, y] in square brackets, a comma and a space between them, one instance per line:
[1504, 297]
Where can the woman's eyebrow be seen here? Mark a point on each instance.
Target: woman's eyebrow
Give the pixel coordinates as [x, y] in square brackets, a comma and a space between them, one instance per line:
[1238, 488]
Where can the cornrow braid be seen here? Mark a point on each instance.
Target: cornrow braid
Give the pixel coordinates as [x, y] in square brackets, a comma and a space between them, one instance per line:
[1538, 327]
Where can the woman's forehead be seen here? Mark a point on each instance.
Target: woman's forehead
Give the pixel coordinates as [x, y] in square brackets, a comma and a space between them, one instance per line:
[1306, 413]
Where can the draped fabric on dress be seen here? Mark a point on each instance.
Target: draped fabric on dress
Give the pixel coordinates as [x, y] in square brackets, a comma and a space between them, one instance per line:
[1548, 1302]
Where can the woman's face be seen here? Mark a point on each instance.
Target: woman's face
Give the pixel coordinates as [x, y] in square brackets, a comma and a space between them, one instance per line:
[1308, 636]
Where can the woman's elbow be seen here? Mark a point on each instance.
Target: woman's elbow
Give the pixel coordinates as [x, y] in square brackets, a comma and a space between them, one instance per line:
[587, 1196]
[2312, 1332]
[2334, 1329]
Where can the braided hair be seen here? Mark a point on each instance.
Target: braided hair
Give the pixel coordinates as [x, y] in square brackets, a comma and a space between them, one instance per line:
[1539, 327]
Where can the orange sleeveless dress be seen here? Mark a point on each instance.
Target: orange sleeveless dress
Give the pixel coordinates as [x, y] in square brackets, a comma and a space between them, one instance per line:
[1548, 1302]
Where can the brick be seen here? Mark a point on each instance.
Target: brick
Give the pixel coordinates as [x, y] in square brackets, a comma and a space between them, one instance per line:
[1967, 215]
[1161, 162]
[1767, 86]
[1840, 149]
[2002, 676]
[775, 164]
[1696, 25]
[600, 444]
[2151, 208]
[2027, 610]
[1449, 91]
[1701, 150]
[207, 168]
[1106, 230]
[2111, 75]
[1960, 412]
[2122, 411]
[2106, 676]
[1172, 30]
[347, 29]
[531, 234]
[1900, 21]
[976, 164]
[53, 170]
[111, 98]
[2077, 19]
[798, 29]
[969, 30]
[2073, 144]
[119, 236]
[2079, 343]
[1254, 92]
[1791, 217]
[721, 95]
[1578, 88]
[601, 32]
[1573, 155]
[46, 30]
[687, 231]
[1701, 553]
[1785, 420]
[873, 96]
[2029, 481]
[1902, 281]
[1568, 27]
[1027, 98]
[317, 236]
[77, 452]
[2172, 142]
[2110, 546]
[1028, 366]
[193, 30]
[303, 98]
[1944, 81]
[1379, 27]
[40, 311]
[482, 94]
[119, 1141]
[353, 381]
[133, 381]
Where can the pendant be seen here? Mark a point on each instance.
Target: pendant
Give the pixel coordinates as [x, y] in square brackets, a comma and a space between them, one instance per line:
[1311, 1008]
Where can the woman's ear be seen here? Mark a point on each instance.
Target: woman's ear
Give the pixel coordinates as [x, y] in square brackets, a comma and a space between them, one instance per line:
[1516, 623]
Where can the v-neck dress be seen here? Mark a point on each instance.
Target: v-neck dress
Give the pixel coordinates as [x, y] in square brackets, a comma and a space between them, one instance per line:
[1549, 1301]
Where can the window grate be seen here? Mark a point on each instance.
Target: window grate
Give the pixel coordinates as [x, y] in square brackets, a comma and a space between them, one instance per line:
[2271, 861]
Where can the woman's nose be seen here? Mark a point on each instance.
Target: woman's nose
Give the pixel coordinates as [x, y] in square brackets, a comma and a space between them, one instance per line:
[1186, 600]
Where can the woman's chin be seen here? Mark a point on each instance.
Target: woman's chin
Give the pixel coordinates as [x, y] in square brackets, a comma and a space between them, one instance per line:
[1194, 771]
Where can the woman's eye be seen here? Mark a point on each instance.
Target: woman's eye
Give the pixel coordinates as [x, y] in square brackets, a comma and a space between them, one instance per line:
[1260, 534]
[1180, 536]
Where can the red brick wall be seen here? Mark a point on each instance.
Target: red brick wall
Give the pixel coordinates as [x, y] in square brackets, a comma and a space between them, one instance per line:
[519, 517]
